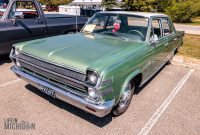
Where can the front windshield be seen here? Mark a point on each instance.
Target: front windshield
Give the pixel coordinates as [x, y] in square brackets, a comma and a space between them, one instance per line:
[122, 26]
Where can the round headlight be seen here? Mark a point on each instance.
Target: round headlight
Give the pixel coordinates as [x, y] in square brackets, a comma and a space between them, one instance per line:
[92, 78]
[92, 93]
[17, 52]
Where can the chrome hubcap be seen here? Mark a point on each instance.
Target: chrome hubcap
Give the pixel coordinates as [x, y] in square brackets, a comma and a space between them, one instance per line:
[125, 96]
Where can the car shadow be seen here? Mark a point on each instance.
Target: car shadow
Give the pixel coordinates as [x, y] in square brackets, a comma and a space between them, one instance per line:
[138, 90]
[4, 59]
[100, 122]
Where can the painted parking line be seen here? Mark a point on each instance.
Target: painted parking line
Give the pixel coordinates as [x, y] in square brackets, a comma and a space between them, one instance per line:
[149, 125]
[10, 82]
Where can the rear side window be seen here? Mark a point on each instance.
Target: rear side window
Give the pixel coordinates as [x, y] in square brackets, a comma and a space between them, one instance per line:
[167, 28]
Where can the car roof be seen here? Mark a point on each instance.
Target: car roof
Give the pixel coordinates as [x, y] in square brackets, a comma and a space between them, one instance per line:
[144, 14]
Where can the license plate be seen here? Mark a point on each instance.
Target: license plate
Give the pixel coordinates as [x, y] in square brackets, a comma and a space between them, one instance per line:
[47, 91]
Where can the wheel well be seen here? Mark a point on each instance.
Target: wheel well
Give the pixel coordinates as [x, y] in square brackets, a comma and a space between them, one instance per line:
[137, 80]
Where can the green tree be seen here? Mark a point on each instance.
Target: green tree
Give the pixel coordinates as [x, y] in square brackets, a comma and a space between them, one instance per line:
[196, 6]
[140, 5]
[163, 4]
[109, 4]
[182, 11]
[55, 2]
[178, 10]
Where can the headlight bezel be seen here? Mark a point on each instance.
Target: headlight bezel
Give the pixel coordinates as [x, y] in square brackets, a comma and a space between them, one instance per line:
[92, 78]
[93, 86]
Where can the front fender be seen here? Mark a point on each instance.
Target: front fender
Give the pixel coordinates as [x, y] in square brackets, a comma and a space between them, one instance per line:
[127, 80]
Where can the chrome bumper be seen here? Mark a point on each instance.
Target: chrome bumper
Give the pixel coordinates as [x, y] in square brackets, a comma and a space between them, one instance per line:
[99, 110]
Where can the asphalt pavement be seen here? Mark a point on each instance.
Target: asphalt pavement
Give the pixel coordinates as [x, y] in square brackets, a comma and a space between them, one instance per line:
[168, 104]
[189, 29]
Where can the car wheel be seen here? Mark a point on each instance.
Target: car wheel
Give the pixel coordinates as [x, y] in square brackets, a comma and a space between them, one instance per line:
[124, 101]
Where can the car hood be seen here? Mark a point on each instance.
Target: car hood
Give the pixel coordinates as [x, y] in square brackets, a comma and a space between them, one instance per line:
[79, 51]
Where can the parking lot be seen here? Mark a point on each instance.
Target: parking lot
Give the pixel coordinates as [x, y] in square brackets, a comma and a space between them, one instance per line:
[168, 104]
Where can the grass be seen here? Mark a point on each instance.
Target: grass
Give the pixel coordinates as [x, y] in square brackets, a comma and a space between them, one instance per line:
[191, 46]
[195, 21]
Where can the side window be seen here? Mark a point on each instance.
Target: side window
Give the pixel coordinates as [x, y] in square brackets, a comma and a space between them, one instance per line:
[156, 29]
[26, 10]
[167, 29]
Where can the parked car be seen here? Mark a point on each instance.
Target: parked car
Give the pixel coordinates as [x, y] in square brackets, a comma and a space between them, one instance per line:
[27, 22]
[99, 69]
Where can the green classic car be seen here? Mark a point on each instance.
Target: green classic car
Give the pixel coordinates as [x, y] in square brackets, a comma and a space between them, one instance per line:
[99, 68]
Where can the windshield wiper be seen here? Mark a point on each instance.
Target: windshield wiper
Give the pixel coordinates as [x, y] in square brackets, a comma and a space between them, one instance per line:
[115, 34]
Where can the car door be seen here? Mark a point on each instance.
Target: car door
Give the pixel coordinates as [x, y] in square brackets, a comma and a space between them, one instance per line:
[29, 25]
[169, 33]
[158, 47]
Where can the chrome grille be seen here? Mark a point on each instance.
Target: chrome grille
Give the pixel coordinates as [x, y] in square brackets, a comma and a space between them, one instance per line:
[51, 67]
[52, 77]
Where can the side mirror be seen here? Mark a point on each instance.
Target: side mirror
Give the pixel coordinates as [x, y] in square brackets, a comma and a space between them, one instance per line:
[154, 39]
[17, 15]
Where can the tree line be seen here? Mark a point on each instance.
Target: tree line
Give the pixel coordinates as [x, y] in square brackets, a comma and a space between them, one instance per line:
[55, 2]
[181, 11]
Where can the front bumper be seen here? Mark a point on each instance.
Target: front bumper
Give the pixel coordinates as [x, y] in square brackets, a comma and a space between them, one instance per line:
[99, 110]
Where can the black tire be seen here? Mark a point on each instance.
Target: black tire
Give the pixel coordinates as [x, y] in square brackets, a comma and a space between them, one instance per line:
[176, 51]
[119, 108]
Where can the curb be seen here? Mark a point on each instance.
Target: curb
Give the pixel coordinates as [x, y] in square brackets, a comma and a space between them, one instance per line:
[187, 62]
